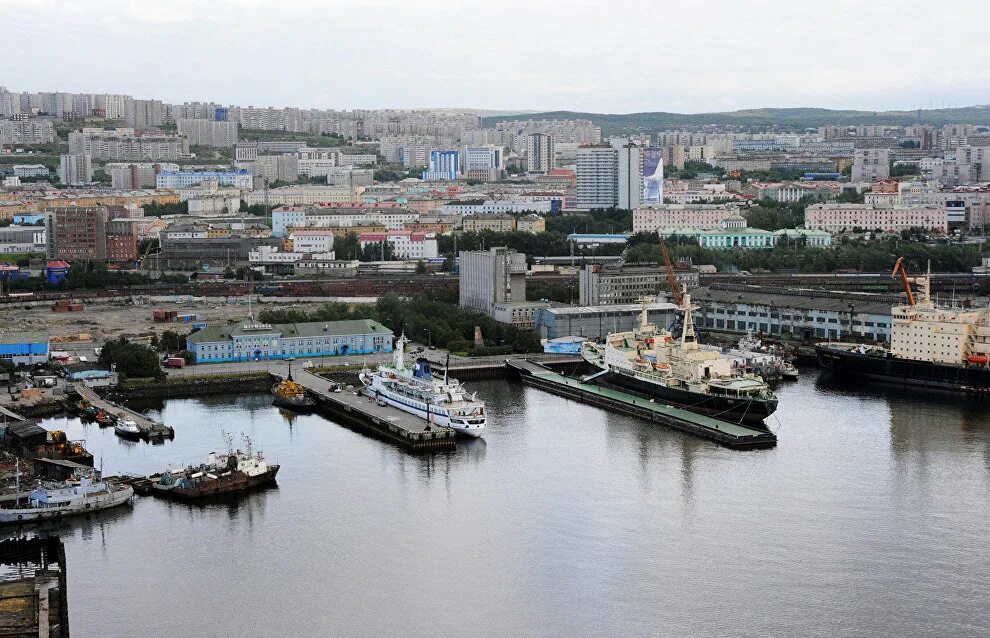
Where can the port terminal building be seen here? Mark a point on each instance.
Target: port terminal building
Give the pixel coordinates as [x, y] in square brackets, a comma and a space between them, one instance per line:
[801, 313]
[594, 322]
[254, 341]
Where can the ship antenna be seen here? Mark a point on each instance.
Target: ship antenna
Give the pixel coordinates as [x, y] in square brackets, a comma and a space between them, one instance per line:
[446, 369]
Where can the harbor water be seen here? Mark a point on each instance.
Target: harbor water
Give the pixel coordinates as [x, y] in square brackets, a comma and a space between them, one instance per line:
[871, 517]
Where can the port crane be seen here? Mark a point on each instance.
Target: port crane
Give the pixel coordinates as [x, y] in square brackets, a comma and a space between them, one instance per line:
[900, 269]
[675, 286]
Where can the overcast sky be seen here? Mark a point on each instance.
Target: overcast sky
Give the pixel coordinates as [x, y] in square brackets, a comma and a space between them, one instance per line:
[613, 56]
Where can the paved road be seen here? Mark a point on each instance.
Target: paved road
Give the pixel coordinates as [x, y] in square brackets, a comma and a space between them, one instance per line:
[278, 367]
[281, 367]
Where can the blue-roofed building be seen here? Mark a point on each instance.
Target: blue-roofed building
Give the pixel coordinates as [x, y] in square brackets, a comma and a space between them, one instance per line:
[24, 348]
[253, 341]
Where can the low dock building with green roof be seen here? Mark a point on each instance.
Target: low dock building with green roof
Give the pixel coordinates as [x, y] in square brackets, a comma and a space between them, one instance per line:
[254, 341]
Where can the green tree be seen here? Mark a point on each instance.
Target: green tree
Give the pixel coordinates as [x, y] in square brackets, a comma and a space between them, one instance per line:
[132, 360]
[347, 247]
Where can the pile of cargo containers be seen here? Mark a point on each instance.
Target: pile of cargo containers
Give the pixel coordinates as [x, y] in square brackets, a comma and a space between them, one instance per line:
[169, 316]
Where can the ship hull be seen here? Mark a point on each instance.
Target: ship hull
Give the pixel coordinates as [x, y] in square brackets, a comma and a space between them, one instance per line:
[298, 405]
[419, 409]
[98, 502]
[974, 380]
[238, 483]
[743, 411]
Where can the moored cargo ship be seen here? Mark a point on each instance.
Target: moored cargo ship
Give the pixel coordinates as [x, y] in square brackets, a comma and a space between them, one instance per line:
[932, 346]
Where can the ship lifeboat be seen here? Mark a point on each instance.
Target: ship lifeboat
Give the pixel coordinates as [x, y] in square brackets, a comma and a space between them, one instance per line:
[977, 358]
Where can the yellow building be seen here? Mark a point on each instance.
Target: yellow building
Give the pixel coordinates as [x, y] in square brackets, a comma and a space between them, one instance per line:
[496, 223]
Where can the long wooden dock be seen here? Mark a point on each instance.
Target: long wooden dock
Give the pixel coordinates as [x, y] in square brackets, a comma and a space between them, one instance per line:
[149, 429]
[731, 435]
[363, 413]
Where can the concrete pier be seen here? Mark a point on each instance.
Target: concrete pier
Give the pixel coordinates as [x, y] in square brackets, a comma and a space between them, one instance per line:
[728, 434]
[363, 413]
[149, 429]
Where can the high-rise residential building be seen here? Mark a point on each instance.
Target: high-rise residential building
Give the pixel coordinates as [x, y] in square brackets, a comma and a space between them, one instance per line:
[82, 105]
[35, 130]
[208, 132]
[115, 107]
[75, 169]
[280, 168]
[540, 153]
[491, 277]
[142, 114]
[597, 177]
[7, 103]
[871, 164]
[486, 163]
[630, 176]
[444, 165]
[77, 233]
[124, 144]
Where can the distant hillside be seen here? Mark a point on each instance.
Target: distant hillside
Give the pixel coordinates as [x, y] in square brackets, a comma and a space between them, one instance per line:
[787, 119]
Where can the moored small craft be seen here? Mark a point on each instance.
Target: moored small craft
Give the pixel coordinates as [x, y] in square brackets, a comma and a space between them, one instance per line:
[788, 370]
[127, 428]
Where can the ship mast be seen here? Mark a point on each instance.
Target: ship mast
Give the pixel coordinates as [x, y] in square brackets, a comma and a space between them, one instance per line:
[688, 337]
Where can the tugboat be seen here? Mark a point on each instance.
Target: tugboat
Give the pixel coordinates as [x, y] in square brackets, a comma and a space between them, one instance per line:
[654, 364]
[291, 395]
[222, 473]
[416, 390]
[75, 496]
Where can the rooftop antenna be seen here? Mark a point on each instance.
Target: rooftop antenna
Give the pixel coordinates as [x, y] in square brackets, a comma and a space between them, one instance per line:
[250, 279]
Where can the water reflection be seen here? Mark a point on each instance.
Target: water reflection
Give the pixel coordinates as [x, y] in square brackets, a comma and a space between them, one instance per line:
[563, 520]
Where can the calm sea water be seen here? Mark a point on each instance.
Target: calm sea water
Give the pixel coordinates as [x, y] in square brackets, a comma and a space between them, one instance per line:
[870, 518]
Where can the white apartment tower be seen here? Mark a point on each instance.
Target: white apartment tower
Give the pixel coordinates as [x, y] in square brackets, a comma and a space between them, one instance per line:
[75, 169]
[597, 177]
[630, 176]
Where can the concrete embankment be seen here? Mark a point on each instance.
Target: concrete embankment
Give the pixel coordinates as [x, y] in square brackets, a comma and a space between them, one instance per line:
[189, 386]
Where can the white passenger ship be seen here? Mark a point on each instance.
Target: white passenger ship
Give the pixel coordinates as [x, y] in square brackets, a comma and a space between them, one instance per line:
[414, 389]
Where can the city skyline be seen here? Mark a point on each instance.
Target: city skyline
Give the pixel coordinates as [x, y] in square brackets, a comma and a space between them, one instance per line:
[590, 60]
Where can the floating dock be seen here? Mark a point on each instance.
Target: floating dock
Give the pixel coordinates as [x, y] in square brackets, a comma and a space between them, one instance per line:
[149, 429]
[363, 413]
[731, 435]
